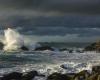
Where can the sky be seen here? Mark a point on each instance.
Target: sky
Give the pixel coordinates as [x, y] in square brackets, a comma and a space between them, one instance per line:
[52, 20]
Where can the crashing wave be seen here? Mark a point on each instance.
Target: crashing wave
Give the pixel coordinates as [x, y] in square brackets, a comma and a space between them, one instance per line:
[15, 41]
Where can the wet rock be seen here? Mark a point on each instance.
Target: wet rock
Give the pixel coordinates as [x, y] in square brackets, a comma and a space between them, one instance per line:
[96, 69]
[24, 48]
[95, 76]
[63, 66]
[44, 48]
[12, 76]
[83, 75]
[93, 47]
[1, 46]
[58, 76]
[70, 51]
[31, 75]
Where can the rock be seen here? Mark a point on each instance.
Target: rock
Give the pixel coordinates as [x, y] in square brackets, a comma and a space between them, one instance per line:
[94, 77]
[12, 76]
[58, 76]
[1, 46]
[63, 66]
[96, 69]
[83, 75]
[31, 75]
[93, 47]
[70, 51]
[44, 48]
[24, 48]
[63, 49]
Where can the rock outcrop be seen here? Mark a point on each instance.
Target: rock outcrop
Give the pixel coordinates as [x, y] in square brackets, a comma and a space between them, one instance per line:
[12, 76]
[93, 47]
[24, 48]
[21, 76]
[1, 46]
[58, 76]
[44, 48]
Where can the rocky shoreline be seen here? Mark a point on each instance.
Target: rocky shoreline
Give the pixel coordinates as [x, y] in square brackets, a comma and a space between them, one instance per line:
[82, 75]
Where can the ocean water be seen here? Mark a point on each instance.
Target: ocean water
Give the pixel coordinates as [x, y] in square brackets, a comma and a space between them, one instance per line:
[47, 62]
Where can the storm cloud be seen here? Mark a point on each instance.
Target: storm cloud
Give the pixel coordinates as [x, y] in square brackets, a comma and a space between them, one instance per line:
[60, 6]
[52, 20]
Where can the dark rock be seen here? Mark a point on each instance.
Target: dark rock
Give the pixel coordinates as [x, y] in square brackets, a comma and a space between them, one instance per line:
[63, 49]
[58, 76]
[30, 75]
[1, 46]
[12, 76]
[96, 69]
[24, 48]
[93, 47]
[95, 76]
[44, 48]
[63, 66]
[83, 75]
[70, 51]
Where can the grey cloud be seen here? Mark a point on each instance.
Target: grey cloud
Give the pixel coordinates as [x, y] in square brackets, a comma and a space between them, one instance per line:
[28, 21]
[60, 6]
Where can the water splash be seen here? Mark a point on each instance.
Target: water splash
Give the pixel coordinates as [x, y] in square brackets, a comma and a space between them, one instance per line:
[13, 40]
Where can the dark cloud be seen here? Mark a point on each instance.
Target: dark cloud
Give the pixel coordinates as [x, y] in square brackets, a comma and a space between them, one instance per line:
[57, 21]
[49, 18]
[61, 6]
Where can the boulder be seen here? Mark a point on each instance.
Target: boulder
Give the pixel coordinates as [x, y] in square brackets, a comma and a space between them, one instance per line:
[24, 48]
[12, 76]
[58, 76]
[95, 76]
[93, 47]
[96, 69]
[44, 48]
[83, 75]
[1, 46]
[31, 75]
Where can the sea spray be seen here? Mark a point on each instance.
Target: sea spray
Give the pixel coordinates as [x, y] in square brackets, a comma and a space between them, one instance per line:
[14, 40]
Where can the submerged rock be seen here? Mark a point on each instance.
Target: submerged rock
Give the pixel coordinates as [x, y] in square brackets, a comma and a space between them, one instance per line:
[63, 49]
[44, 48]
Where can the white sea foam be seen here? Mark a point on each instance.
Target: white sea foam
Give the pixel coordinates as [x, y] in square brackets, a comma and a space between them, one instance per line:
[47, 64]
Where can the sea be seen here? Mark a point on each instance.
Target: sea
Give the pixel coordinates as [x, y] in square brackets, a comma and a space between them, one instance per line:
[47, 62]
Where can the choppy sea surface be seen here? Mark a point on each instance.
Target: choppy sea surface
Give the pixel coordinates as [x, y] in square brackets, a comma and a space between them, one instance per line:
[47, 62]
